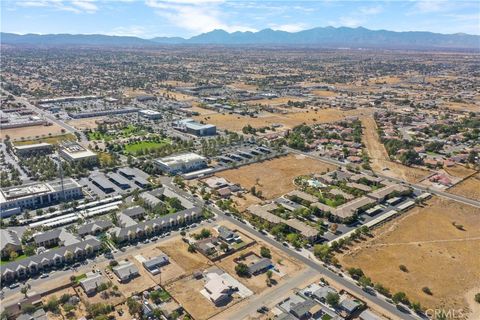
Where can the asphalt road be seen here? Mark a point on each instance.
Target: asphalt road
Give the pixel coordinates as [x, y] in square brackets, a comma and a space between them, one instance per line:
[350, 286]
[450, 196]
[52, 118]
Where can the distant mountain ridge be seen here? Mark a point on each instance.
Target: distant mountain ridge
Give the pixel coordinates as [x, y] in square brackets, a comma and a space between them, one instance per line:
[322, 37]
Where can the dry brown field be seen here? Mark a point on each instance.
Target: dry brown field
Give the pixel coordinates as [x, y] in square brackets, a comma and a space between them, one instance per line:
[176, 95]
[137, 284]
[243, 86]
[187, 292]
[177, 250]
[459, 171]
[386, 79]
[324, 93]
[290, 120]
[458, 106]
[380, 159]
[33, 132]
[275, 101]
[437, 254]
[469, 188]
[275, 177]
[175, 83]
[87, 123]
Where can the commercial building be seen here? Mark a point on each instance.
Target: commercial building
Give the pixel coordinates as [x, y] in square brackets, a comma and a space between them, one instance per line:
[181, 163]
[195, 128]
[102, 183]
[150, 114]
[99, 113]
[72, 152]
[33, 149]
[37, 195]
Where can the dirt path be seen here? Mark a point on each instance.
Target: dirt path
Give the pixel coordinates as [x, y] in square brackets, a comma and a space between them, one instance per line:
[380, 160]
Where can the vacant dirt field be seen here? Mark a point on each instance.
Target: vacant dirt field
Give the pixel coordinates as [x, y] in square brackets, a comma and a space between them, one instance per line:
[459, 171]
[324, 93]
[275, 177]
[469, 188]
[33, 132]
[168, 273]
[285, 265]
[137, 284]
[87, 123]
[461, 106]
[246, 201]
[236, 122]
[386, 79]
[437, 254]
[275, 101]
[187, 292]
[176, 95]
[243, 86]
[379, 156]
[177, 250]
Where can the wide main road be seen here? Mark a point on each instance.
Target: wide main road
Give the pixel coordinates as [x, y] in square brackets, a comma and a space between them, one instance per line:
[450, 196]
[350, 286]
[52, 118]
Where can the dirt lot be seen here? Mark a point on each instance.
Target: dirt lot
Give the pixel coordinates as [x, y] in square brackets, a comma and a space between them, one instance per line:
[461, 106]
[286, 267]
[177, 250]
[469, 188]
[32, 132]
[168, 273]
[243, 86]
[275, 101]
[437, 254]
[87, 123]
[175, 95]
[275, 177]
[243, 203]
[187, 292]
[379, 156]
[324, 93]
[137, 284]
[459, 171]
[236, 122]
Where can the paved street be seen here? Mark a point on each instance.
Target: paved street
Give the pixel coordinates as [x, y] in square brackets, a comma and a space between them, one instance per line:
[468, 201]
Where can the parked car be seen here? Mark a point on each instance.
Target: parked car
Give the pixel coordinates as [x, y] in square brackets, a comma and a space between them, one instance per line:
[44, 275]
[13, 286]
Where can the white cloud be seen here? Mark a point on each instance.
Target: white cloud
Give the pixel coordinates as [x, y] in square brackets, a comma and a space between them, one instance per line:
[426, 6]
[293, 27]
[371, 10]
[76, 6]
[195, 16]
[134, 31]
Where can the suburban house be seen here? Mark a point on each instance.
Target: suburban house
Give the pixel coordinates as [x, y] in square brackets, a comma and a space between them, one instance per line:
[228, 235]
[217, 289]
[126, 271]
[153, 265]
[91, 283]
[259, 266]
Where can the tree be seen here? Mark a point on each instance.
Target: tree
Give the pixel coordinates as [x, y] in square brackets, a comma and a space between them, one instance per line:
[27, 308]
[332, 299]
[52, 305]
[365, 281]
[400, 297]
[355, 273]
[403, 268]
[477, 297]
[242, 270]
[417, 307]
[24, 290]
[382, 290]
[13, 255]
[265, 252]
[134, 307]
[322, 252]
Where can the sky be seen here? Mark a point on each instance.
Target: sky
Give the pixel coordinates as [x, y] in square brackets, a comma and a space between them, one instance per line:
[186, 18]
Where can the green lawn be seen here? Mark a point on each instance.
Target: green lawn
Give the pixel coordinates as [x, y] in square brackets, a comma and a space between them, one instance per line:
[20, 257]
[134, 148]
[51, 140]
[124, 133]
[80, 277]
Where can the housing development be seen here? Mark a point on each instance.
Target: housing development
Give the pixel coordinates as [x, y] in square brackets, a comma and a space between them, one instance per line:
[215, 181]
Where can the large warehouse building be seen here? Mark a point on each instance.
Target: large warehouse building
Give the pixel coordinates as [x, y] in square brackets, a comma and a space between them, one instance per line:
[37, 195]
[182, 163]
[195, 128]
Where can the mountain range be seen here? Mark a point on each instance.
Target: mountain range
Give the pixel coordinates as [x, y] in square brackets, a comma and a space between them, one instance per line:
[329, 37]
